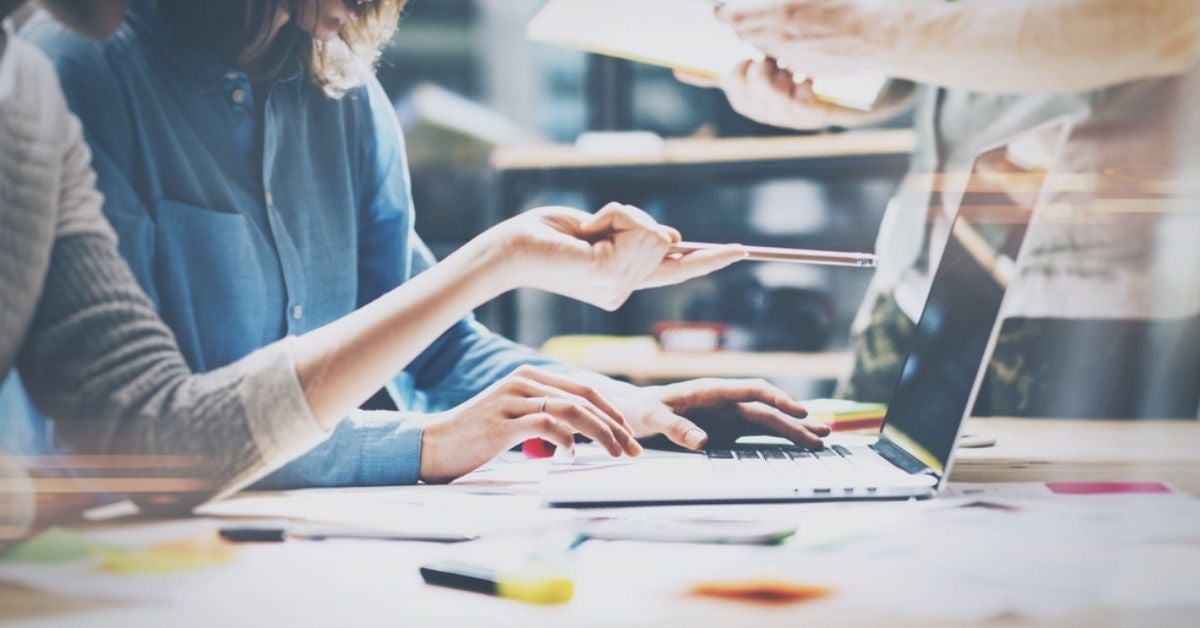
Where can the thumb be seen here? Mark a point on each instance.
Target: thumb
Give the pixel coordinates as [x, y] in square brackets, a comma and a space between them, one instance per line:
[697, 264]
[616, 217]
[678, 429]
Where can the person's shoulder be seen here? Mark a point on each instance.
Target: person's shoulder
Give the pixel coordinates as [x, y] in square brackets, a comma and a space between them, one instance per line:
[365, 106]
[34, 74]
[360, 99]
[72, 52]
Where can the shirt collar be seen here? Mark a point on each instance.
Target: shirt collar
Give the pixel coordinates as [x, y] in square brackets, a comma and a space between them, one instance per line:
[203, 67]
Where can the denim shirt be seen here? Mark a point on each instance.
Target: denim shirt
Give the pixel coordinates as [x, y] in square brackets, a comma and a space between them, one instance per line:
[238, 251]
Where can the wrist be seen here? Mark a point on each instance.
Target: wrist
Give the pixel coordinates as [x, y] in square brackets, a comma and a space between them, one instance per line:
[489, 262]
[431, 470]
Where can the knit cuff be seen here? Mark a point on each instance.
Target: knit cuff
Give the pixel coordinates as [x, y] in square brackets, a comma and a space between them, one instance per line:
[278, 415]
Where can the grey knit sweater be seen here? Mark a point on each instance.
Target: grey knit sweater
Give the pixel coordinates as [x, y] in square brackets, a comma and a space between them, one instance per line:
[88, 343]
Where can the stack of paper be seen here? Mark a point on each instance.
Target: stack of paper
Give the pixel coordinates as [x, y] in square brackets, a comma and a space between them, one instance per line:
[844, 415]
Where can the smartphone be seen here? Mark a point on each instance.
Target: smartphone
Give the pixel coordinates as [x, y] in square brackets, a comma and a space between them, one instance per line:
[716, 531]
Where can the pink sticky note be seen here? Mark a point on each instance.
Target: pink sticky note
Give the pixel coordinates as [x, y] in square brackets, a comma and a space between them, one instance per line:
[1106, 488]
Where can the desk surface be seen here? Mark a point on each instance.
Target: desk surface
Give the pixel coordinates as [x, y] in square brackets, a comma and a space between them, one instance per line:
[691, 151]
[367, 583]
[1058, 450]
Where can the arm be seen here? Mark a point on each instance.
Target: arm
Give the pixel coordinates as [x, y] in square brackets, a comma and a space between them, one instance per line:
[100, 361]
[1025, 46]
[468, 357]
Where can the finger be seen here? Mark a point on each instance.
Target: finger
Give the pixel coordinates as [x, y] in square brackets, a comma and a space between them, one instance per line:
[544, 426]
[802, 92]
[736, 76]
[783, 82]
[620, 426]
[759, 76]
[617, 217]
[675, 270]
[801, 432]
[709, 392]
[678, 429]
[579, 389]
[614, 434]
[585, 422]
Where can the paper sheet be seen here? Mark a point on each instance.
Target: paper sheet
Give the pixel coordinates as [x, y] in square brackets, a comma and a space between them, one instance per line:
[416, 512]
[679, 34]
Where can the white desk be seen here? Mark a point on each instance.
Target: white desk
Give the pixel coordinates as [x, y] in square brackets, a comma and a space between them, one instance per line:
[356, 583]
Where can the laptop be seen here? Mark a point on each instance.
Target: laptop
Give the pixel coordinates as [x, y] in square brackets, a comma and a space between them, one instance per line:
[934, 394]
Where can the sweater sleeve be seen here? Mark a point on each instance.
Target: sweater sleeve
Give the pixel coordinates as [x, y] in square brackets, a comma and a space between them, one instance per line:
[100, 362]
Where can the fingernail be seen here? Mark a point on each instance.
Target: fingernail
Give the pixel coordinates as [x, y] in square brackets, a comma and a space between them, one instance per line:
[693, 437]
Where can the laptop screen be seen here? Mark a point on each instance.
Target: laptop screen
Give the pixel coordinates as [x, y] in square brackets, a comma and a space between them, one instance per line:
[952, 336]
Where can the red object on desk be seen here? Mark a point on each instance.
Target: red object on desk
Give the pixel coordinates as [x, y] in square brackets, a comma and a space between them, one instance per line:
[537, 448]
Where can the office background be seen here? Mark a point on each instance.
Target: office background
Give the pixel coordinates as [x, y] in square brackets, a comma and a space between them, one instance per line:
[465, 80]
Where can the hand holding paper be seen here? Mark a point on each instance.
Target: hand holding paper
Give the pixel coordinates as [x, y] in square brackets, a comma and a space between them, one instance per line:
[685, 35]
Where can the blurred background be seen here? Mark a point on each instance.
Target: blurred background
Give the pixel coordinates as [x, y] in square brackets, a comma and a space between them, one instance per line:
[478, 100]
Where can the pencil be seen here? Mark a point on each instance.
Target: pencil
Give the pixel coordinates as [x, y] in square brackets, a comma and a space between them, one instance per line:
[796, 256]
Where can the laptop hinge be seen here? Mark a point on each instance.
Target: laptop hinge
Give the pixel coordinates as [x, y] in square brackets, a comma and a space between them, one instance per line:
[899, 457]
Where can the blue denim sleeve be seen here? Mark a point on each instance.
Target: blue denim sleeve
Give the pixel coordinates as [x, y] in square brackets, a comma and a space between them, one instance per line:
[366, 449]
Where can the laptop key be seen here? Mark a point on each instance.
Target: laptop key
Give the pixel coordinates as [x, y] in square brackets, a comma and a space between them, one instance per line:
[719, 454]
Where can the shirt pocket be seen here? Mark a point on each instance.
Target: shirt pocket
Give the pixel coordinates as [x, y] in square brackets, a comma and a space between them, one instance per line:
[218, 283]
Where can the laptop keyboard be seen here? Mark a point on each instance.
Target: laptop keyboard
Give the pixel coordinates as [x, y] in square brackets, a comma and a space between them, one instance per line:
[822, 464]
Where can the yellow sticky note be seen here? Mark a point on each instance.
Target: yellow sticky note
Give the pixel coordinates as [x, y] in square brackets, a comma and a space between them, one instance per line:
[188, 554]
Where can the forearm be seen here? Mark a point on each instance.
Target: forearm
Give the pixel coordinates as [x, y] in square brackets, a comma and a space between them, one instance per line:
[1022, 46]
[344, 362]
[368, 448]
[101, 363]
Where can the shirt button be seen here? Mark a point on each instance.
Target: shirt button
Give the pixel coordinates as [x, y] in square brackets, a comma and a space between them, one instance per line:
[298, 312]
[238, 96]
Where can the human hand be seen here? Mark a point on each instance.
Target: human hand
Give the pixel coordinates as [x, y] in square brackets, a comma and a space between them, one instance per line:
[818, 37]
[600, 258]
[767, 93]
[529, 403]
[718, 411]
